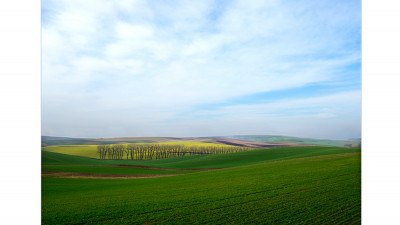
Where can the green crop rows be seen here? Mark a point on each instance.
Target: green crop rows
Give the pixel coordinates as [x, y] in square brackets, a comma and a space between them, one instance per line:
[298, 185]
[109, 170]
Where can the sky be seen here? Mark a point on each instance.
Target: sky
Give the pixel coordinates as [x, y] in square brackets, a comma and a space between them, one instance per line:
[133, 68]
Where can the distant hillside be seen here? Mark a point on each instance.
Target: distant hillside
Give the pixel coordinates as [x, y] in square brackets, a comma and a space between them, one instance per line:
[254, 141]
[354, 143]
[49, 138]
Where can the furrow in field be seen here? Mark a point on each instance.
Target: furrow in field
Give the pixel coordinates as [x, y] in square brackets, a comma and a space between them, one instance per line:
[230, 198]
[309, 190]
[262, 199]
[147, 167]
[58, 174]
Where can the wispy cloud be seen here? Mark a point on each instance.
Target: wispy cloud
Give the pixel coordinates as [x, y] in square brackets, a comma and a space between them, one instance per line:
[338, 102]
[147, 66]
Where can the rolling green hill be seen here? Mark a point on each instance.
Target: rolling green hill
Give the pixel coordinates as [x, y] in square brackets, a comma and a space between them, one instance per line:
[52, 158]
[111, 170]
[205, 161]
[322, 189]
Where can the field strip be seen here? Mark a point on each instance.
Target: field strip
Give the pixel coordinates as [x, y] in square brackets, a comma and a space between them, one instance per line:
[222, 207]
[316, 157]
[146, 167]
[343, 214]
[54, 159]
[356, 221]
[57, 174]
[287, 186]
[263, 199]
[242, 203]
[310, 209]
[286, 159]
[288, 204]
[314, 219]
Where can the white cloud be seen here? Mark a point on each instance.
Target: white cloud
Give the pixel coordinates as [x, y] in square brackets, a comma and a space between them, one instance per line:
[338, 102]
[131, 32]
[157, 60]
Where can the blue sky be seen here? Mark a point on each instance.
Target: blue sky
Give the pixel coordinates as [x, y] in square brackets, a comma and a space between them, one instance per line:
[201, 68]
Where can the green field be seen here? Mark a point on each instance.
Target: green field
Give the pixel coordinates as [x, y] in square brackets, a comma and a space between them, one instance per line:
[78, 150]
[310, 185]
[110, 170]
[205, 161]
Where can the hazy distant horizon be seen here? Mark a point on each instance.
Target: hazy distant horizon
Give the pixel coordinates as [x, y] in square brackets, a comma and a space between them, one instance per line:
[136, 68]
[199, 137]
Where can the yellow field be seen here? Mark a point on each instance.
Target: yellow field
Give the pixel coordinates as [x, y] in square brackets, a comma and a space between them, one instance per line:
[84, 150]
[91, 150]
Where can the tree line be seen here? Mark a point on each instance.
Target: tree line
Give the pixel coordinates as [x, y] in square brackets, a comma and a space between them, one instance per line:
[160, 151]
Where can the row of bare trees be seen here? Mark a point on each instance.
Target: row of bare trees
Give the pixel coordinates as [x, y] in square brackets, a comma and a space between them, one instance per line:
[116, 151]
[160, 151]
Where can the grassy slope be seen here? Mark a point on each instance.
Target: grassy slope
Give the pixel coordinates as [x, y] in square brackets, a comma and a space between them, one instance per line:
[255, 156]
[322, 189]
[204, 161]
[52, 158]
[109, 170]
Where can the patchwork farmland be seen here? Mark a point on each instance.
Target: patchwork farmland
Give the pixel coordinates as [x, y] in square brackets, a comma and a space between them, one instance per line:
[241, 185]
